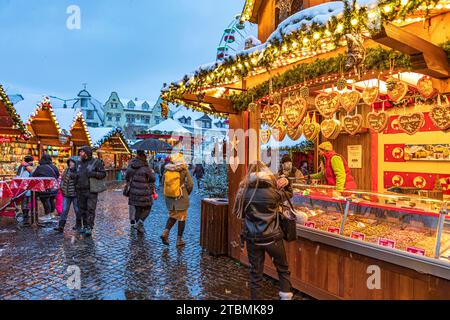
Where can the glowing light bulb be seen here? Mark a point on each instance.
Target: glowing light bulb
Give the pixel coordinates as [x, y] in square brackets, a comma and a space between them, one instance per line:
[387, 8]
[305, 40]
[339, 28]
[404, 2]
[316, 36]
[354, 22]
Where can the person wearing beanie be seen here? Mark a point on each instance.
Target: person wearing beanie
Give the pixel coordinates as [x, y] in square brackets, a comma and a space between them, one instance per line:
[289, 171]
[25, 170]
[336, 171]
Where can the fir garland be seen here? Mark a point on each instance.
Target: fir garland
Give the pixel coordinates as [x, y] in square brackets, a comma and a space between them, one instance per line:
[13, 114]
[111, 134]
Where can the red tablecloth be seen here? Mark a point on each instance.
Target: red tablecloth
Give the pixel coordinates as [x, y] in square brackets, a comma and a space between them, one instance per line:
[33, 184]
[5, 190]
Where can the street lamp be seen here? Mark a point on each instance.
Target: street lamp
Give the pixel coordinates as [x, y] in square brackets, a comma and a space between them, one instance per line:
[63, 100]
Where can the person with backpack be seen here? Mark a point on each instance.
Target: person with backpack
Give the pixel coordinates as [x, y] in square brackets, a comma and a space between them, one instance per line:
[89, 183]
[25, 170]
[258, 201]
[178, 185]
[140, 188]
[47, 169]
[69, 193]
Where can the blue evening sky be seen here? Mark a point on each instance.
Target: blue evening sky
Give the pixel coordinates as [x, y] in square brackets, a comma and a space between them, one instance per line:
[128, 46]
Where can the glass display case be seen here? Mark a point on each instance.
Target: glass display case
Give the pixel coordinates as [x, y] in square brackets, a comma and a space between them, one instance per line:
[411, 224]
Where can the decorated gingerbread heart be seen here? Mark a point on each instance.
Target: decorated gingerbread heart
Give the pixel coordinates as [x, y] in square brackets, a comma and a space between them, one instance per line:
[370, 95]
[377, 121]
[425, 87]
[279, 131]
[440, 115]
[397, 89]
[270, 114]
[411, 123]
[349, 100]
[294, 111]
[295, 133]
[352, 124]
[329, 128]
[327, 104]
[311, 131]
[265, 135]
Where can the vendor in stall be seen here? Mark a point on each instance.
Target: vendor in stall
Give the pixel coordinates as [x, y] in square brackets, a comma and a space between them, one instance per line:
[336, 172]
[289, 171]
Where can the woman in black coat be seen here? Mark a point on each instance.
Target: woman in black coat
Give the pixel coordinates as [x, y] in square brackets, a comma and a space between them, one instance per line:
[47, 169]
[258, 203]
[141, 181]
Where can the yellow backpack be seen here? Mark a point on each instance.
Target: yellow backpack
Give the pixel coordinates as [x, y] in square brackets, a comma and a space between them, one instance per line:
[172, 184]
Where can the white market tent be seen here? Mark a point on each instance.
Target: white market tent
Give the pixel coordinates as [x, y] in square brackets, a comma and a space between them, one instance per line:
[170, 126]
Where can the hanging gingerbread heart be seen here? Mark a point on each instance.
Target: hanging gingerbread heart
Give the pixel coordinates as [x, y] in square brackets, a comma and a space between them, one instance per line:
[440, 115]
[397, 89]
[377, 121]
[370, 95]
[279, 131]
[352, 124]
[327, 104]
[330, 127]
[349, 100]
[411, 123]
[425, 87]
[264, 135]
[294, 111]
[270, 114]
[295, 133]
[311, 129]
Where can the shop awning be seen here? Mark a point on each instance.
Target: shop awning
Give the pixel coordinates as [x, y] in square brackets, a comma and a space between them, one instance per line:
[109, 140]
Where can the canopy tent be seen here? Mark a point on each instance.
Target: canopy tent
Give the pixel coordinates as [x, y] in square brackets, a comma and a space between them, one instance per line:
[169, 126]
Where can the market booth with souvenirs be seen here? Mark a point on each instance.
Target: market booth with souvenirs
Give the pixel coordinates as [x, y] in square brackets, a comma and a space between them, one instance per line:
[111, 147]
[372, 78]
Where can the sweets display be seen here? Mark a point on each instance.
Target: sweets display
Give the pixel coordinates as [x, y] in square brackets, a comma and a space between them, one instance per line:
[60, 155]
[11, 155]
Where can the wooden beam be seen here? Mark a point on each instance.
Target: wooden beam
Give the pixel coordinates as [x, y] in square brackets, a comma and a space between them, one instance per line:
[426, 57]
[218, 104]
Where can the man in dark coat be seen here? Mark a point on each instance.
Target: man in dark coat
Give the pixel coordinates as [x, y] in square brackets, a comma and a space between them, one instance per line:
[88, 167]
[141, 180]
[47, 169]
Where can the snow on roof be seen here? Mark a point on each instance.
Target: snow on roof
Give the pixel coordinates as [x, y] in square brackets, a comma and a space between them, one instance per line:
[170, 125]
[28, 104]
[65, 117]
[286, 143]
[97, 134]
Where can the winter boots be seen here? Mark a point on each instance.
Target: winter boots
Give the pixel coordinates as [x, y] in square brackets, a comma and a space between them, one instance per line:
[165, 237]
[180, 242]
[60, 227]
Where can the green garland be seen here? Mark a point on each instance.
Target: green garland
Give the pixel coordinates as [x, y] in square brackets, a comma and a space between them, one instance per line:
[112, 133]
[377, 60]
[13, 114]
[302, 147]
[354, 19]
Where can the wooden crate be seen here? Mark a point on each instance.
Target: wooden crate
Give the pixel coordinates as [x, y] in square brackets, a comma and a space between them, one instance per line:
[214, 226]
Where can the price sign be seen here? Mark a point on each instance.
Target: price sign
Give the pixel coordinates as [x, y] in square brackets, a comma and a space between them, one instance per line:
[334, 230]
[416, 250]
[310, 225]
[386, 243]
[358, 236]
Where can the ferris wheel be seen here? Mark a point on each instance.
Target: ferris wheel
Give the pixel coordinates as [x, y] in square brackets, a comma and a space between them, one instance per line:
[234, 38]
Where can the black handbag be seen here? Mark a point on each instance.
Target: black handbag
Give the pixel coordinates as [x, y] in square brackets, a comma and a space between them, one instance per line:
[288, 222]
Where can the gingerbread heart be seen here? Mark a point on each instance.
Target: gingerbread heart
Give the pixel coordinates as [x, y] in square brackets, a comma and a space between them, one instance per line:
[398, 90]
[295, 133]
[294, 111]
[411, 123]
[329, 128]
[270, 114]
[264, 135]
[440, 115]
[349, 100]
[311, 130]
[352, 124]
[327, 104]
[370, 95]
[425, 87]
[279, 131]
[377, 121]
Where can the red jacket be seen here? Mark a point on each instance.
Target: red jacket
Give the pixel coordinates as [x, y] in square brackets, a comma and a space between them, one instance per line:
[330, 175]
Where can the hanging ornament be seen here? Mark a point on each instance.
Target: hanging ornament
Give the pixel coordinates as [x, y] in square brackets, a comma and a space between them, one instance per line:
[277, 97]
[397, 89]
[294, 133]
[279, 131]
[265, 135]
[425, 87]
[411, 123]
[341, 84]
[252, 107]
[377, 121]
[440, 114]
[330, 128]
[352, 124]
[294, 110]
[327, 104]
[349, 100]
[370, 95]
[311, 129]
[304, 92]
[356, 52]
[270, 114]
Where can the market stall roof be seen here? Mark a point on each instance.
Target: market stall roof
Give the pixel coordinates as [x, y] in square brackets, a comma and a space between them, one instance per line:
[170, 126]
[10, 122]
[72, 121]
[109, 140]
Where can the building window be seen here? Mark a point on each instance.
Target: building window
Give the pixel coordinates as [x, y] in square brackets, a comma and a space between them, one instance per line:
[90, 115]
[157, 119]
[147, 120]
[118, 117]
[188, 121]
[206, 124]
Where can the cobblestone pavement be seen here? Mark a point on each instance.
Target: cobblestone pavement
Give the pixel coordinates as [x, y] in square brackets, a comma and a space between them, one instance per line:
[116, 263]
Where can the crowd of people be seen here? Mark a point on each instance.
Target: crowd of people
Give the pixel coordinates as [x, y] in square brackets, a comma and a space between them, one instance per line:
[260, 196]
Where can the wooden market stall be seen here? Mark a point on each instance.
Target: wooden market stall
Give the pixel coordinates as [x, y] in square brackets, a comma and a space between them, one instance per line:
[14, 138]
[112, 147]
[73, 123]
[373, 79]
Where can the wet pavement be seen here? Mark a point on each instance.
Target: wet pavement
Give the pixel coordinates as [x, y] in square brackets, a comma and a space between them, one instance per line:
[116, 263]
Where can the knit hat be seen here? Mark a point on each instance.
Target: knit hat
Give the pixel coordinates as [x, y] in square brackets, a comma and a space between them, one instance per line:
[28, 159]
[326, 146]
[286, 158]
